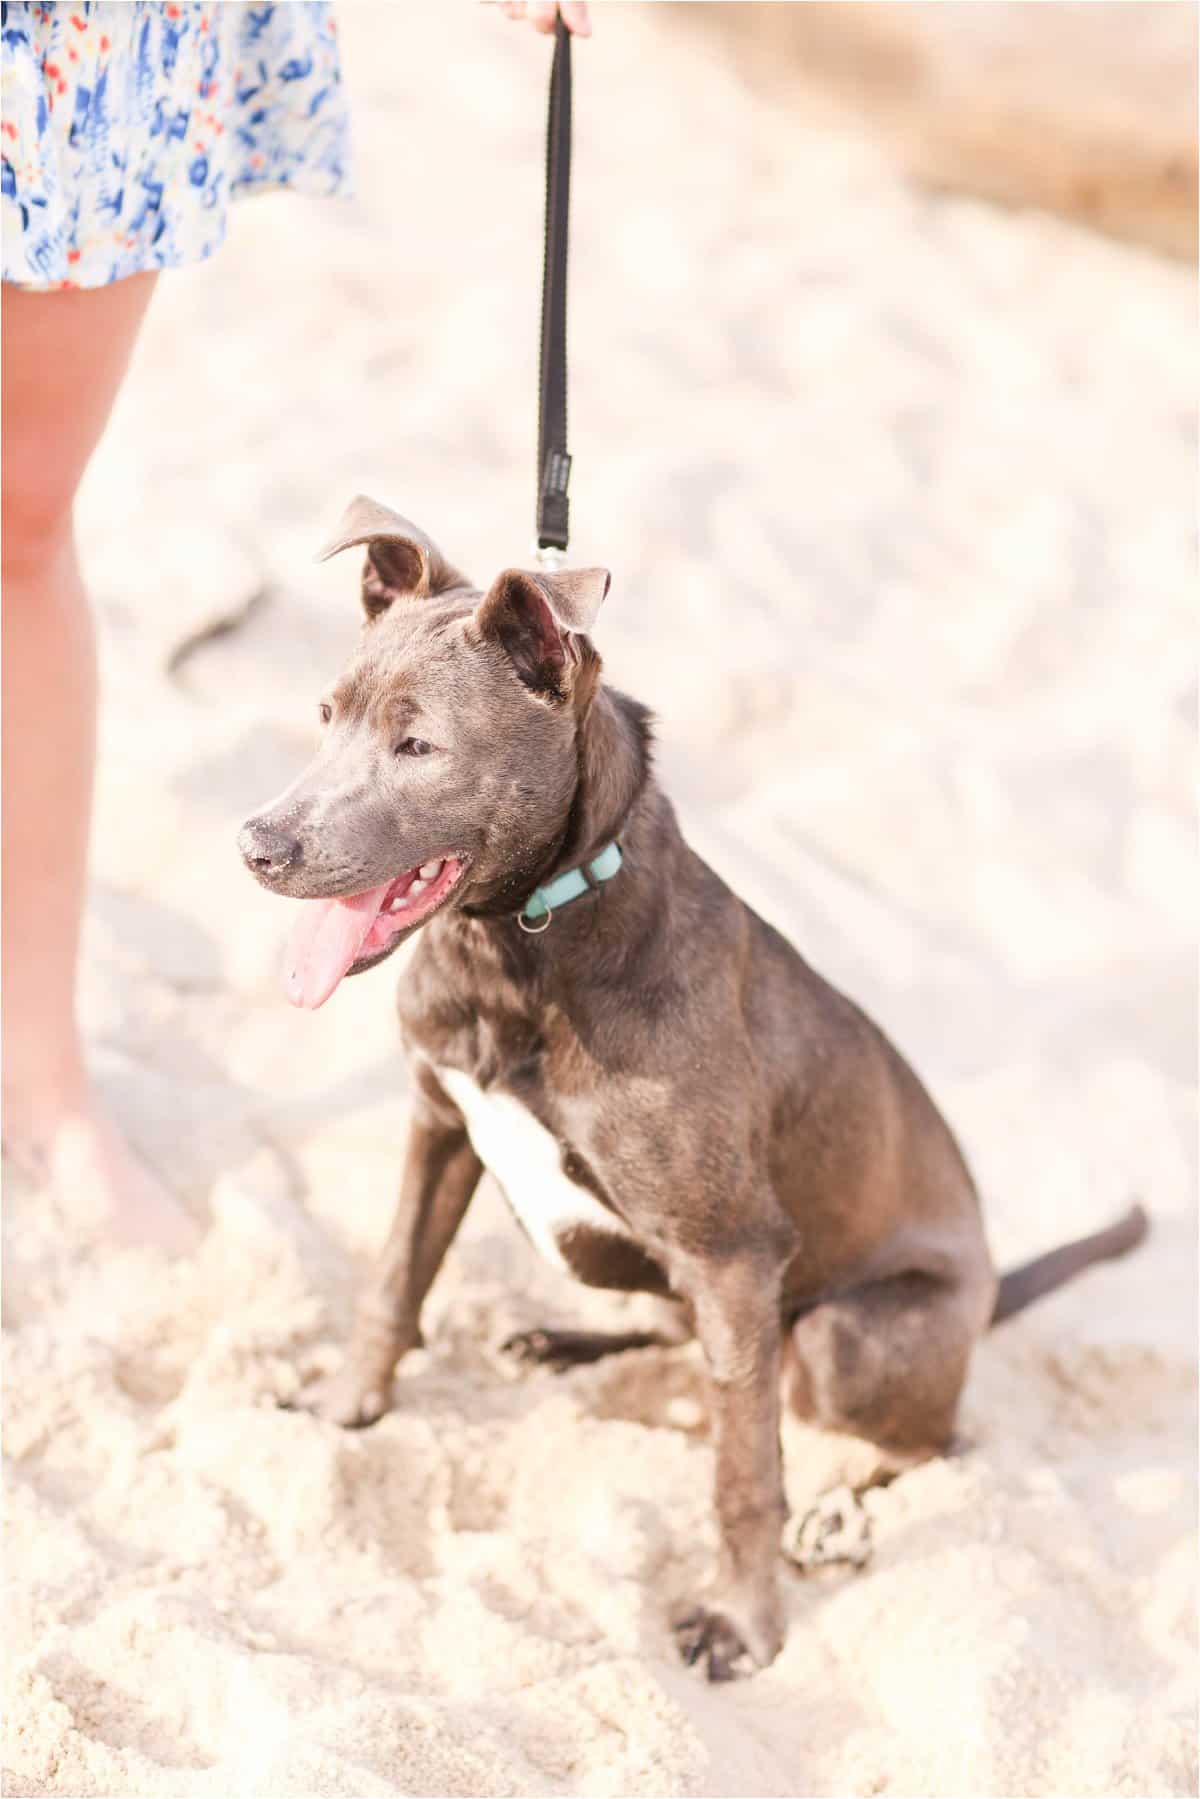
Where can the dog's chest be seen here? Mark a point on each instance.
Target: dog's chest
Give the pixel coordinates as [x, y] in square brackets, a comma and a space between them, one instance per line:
[559, 1215]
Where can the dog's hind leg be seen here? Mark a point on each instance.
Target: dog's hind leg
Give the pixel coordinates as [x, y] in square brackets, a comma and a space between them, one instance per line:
[562, 1349]
[887, 1362]
[441, 1172]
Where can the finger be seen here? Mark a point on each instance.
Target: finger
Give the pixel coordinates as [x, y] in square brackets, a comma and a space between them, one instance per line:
[575, 17]
[543, 16]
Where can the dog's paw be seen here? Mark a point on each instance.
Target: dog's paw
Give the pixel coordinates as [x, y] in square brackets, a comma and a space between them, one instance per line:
[835, 1531]
[540, 1349]
[344, 1398]
[709, 1639]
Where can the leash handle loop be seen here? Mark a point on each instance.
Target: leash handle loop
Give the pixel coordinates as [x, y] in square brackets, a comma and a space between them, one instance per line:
[554, 462]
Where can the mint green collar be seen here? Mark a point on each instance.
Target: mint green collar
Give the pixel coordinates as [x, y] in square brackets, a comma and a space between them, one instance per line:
[543, 902]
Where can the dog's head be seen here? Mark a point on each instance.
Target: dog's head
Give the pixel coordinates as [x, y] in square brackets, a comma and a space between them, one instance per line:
[448, 758]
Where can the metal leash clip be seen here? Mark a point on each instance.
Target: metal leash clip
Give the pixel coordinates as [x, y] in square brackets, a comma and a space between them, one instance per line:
[548, 557]
[535, 930]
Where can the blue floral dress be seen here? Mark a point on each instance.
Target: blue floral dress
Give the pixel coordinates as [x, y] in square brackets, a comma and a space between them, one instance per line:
[126, 129]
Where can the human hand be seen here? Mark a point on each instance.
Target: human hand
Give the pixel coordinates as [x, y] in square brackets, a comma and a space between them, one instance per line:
[543, 15]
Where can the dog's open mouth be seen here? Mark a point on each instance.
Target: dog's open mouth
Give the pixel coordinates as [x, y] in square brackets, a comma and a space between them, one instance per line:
[336, 937]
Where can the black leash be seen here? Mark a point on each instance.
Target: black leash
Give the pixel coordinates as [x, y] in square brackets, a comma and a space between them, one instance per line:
[554, 463]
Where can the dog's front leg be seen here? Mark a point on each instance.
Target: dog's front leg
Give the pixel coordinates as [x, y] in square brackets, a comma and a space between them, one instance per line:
[441, 1172]
[739, 1626]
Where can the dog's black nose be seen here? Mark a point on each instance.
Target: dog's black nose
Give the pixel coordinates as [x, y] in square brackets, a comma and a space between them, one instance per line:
[266, 850]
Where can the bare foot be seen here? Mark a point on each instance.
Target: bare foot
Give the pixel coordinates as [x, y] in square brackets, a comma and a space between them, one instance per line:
[100, 1184]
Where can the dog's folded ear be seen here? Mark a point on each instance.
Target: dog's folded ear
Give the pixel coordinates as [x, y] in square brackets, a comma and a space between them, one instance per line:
[535, 617]
[401, 561]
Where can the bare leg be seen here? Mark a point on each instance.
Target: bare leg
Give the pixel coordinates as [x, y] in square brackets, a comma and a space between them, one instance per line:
[441, 1172]
[64, 356]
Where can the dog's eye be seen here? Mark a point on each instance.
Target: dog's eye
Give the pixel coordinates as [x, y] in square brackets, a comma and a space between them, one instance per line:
[414, 746]
[326, 711]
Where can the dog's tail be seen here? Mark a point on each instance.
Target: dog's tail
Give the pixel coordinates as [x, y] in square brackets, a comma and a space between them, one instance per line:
[1021, 1286]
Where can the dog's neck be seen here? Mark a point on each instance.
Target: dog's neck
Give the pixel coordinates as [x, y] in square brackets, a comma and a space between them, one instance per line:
[614, 766]
[613, 744]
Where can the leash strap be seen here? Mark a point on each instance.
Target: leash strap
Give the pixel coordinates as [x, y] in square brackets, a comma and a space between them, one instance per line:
[554, 463]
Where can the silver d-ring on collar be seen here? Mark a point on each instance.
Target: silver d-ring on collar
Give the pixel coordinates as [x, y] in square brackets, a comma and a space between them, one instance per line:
[535, 930]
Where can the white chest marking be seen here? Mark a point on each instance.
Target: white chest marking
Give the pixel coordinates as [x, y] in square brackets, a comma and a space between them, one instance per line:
[524, 1158]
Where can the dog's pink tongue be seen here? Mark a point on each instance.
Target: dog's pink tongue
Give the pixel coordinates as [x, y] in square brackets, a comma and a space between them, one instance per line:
[324, 942]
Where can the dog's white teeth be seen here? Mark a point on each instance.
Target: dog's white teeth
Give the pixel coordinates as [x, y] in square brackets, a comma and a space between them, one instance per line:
[418, 886]
[398, 905]
[429, 871]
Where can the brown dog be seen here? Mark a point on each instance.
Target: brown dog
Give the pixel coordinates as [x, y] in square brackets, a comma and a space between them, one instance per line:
[671, 1099]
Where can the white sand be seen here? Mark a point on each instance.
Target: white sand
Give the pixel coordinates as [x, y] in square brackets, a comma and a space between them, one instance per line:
[895, 495]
